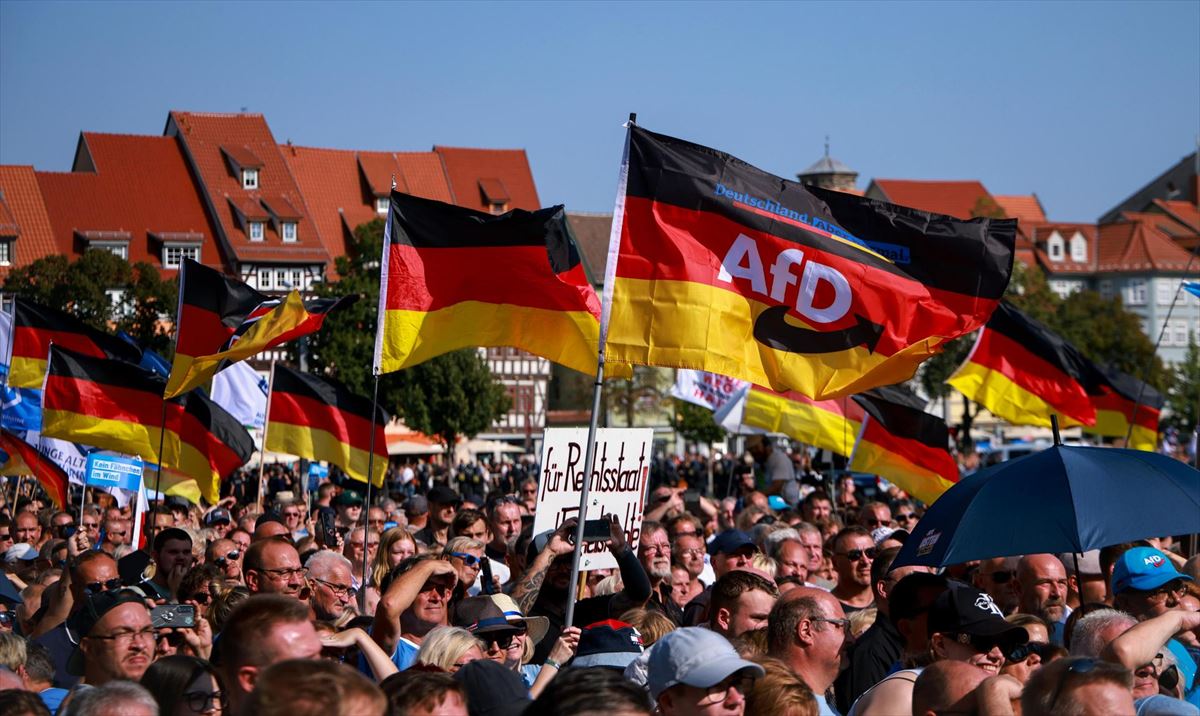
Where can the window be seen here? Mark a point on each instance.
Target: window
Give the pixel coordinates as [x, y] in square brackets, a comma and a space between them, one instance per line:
[1055, 247]
[296, 276]
[1064, 288]
[173, 256]
[1178, 330]
[289, 231]
[256, 231]
[381, 205]
[6, 253]
[249, 178]
[1135, 292]
[264, 279]
[497, 207]
[1078, 247]
[1165, 290]
[1106, 288]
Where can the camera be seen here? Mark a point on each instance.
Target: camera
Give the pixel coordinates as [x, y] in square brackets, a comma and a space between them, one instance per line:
[175, 616]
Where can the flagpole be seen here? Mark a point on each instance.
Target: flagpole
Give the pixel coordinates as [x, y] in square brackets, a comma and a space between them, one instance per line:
[366, 513]
[590, 453]
[262, 452]
[162, 434]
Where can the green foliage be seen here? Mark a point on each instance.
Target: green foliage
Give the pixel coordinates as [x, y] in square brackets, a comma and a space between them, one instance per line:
[695, 423]
[1184, 394]
[448, 396]
[81, 288]
[641, 394]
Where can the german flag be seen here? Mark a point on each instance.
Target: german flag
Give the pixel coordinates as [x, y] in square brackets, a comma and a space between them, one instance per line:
[723, 267]
[35, 327]
[456, 278]
[222, 321]
[903, 444]
[320, 419]
[1126, 401]
[1023, 372]
[828, 424]
[116, 405]
[24, 459]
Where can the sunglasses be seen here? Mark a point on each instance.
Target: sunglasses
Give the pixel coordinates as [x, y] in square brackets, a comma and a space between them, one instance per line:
[906, 516]
[7, 619]
[468, 559]
[1002, 577]
[502, 640]
[231, 555]
[981, 644]
[1022, 652]
[97, 587]
[856, 554]
[1082, 666]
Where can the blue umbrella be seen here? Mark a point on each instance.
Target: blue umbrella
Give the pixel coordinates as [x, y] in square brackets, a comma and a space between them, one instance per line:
[1063, 499]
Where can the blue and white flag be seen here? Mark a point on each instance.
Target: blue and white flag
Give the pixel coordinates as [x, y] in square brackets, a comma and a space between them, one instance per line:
[243, 393]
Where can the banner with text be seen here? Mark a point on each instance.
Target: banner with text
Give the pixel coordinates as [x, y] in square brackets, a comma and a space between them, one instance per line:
[708, 390]
[620, 471]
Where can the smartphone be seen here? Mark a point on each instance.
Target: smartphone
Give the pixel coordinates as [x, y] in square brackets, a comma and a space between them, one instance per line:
[329, 534]
[596, 530]
[179, 616]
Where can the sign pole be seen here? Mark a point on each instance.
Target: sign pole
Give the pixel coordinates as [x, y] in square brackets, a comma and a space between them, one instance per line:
[366, 513]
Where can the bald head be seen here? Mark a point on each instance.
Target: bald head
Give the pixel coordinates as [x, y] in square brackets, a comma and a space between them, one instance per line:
[269, 529]
[946, 687]
[1042, 586]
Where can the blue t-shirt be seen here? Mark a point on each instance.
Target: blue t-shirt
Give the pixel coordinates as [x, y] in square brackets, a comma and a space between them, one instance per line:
[405, 654]
[53, 697]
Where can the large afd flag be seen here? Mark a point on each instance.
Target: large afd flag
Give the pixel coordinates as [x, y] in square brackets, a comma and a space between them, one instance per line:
[717, 265]
[902, 443]
[321, 419]
[114, 405]
[1126, 401]
[831, 424]
[456, 278]
[24, 459]
[1024, 372]
[35, 327]
[222, 321]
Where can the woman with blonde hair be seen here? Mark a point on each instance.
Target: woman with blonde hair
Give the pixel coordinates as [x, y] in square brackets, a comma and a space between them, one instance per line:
[449, 648]
[651, 624]
[395, 546]
[780, 693]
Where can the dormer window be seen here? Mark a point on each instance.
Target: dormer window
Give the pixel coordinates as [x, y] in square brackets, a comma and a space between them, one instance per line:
[249, 178]
[289, 231]
[6, 252]
[256, 230]
[1054, 247]
[1078, 248]
[381, 205]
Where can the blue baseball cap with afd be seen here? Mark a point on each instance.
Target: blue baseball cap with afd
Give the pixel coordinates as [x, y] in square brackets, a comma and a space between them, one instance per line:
[695, 656]
[729, 541]
[1143, 568]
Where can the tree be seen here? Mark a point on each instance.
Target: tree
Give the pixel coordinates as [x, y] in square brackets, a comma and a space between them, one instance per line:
[104, 291]
[451, 395]
[695, 423]
[644, 392]
[1183, 397]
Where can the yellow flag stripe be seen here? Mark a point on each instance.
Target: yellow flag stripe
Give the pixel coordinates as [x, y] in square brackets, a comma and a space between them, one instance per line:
[925, 485]
[317, 444]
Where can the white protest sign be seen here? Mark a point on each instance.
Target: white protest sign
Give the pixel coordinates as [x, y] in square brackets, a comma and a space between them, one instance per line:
[618, 486]
[708, 390]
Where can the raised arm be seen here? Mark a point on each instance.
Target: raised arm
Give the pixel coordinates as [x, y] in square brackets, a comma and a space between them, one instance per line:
[1142, 642]
[400, 595]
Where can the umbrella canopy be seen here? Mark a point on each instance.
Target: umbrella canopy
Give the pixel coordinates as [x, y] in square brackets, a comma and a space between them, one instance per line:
[1063, 499]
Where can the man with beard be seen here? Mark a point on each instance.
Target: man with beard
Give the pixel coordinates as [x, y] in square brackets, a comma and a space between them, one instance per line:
[504, 523]
[1042, 591]
[654, 552]
[853, 553]
[996, 578]
[412, 604]
[542, 590]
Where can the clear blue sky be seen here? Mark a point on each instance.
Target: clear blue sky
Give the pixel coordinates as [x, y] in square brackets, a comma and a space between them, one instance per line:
[1081, 103]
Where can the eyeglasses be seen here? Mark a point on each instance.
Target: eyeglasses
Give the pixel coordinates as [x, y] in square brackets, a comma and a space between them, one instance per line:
[500, 639]
[1081, 666]
[905, 516]
[856, 554]
[97, 587]
[230, 556]
[659, 548]
[1176, 588]
[843, 623]
[201, 701]
[7, 619]
[340, 591]
[741, 681]
[694, 552]
[876, 522]
[1022, 652]
[127, 636]
[285, 573]
[468, 559]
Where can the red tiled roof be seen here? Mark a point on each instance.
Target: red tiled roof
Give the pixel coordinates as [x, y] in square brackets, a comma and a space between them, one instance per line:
[592, 233]
[1165, 223]
[141, 186]
[954, 198]
[1138, 246]
[281, 208]
[1185, 212]
[250, 209]
[243, 157]
[27, 210]
[466, 168]
[204, 135]
[1040, 235]
[1025, 208]
[339, 193]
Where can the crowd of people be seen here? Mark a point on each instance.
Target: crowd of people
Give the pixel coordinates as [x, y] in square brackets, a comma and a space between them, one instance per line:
[776, 596]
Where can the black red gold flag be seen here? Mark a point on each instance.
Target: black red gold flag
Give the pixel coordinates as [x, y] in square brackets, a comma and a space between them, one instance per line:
[827, 424]
[222, 321]
[321, 419]
[1126, 401]
[24, 459]
[903, 444]
[116, 405]
[456, 278]
[720, 266]
[1023, 372]
[35, 327]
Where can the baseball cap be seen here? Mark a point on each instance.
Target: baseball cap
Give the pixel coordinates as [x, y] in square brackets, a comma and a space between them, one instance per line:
[176, 502]
[9, 594]
[1143, 568]
[777, 503]
[492, 689]
[1184, 662]
[218, 516]
[695, 656]
[480, 615]
[416, 505]
[608, 643]
[535, 627]
[95, 606]
[443, 495]
[879, 534]
[21, 552]
[348, 498]
[965, 610]
[729, 541]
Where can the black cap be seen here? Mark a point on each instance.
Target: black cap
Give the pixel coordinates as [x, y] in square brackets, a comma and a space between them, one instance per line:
[492, 689]
[480, 615]
[965, 610]
[175, 502]
[443, 495]
[730, 541]
[94, 607]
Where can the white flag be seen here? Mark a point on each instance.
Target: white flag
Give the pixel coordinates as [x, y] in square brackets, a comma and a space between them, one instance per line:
[708, 390]
[243, 393]
[5, 339]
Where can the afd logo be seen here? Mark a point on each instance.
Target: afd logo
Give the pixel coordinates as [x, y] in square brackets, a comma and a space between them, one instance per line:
[1154, 560]
[984, 603]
